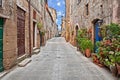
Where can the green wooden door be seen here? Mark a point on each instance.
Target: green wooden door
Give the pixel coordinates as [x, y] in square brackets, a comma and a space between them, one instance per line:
[1, 44]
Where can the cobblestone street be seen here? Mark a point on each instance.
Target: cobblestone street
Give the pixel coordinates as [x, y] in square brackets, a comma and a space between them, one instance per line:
[58, 60]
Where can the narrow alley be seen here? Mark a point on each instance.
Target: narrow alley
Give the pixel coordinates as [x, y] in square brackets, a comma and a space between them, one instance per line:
[58, 60]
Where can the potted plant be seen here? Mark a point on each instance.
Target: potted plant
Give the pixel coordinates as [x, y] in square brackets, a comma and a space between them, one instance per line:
[113, 29]
[39, 25]
[80, 38]
[96, 60]
[103, 30]
[42, 32]
[111, 66]
[87, 46]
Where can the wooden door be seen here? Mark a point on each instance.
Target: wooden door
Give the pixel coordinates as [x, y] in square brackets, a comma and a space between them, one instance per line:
[33, 34]
[20, 31]
[1, 44]
[97, 36]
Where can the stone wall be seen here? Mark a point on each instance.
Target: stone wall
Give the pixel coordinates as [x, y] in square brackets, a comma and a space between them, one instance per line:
[63, 27]
[10, 54]
[37, 35]
[54, 16]
[49, 23]
[116, 11]
[67, 20]
[9, 34]
[97, 9]
[7, 8]
[9, 13]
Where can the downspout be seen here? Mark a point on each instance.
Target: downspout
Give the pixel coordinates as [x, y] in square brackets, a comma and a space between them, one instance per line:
[30, 28]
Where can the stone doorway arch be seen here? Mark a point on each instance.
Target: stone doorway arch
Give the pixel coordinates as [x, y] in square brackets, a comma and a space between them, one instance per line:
[76, 34]
[97, 23]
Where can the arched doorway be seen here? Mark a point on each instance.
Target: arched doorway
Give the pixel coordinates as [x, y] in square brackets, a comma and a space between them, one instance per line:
[76, 28]
[76, 31]
[97, 37]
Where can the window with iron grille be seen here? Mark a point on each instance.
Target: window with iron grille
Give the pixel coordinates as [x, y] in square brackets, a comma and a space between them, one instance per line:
[87, 9]
[0, 3]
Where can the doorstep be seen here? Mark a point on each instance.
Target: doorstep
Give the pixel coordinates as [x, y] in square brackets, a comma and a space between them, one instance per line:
[21, 64]
[36, 51]
[24, 62]
[2, 74]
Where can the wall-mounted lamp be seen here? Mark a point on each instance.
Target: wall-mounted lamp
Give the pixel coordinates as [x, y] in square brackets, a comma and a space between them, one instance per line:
[100, 22]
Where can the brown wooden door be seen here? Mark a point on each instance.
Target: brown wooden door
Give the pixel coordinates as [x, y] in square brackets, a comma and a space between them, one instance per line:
[20, 31]
[33, 34]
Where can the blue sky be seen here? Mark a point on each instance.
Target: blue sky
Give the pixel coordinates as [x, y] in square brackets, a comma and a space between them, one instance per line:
[59, 5]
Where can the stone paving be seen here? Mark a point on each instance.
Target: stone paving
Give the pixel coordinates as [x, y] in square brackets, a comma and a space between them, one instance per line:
[59, 60]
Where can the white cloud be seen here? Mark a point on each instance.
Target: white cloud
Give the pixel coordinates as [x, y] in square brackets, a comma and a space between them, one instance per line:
[63, 14]
[56, 20]
[59, 27]
[59, 13]
[59, 4]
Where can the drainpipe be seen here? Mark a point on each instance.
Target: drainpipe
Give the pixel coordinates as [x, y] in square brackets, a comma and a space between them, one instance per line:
[30, 28]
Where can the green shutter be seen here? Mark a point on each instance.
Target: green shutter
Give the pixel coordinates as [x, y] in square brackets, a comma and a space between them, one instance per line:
[1, 44]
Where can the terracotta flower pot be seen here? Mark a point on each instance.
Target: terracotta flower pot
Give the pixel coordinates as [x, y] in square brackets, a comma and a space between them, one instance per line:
[94, 58]
[87, 53]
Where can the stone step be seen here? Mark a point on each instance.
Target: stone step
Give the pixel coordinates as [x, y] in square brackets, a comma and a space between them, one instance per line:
[36, 51]
[24, 62]
[2, 74]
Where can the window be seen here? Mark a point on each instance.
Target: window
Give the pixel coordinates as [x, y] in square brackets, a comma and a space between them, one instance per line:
[101, 7]
[34, 14]
[87, 9]
[0, 3]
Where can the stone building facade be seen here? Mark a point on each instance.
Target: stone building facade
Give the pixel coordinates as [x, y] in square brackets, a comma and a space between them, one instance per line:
[88, 13]
[49, 23]
[8, 45]
[19, 34]
[36, 17]
[67, 20]
[63, 33]
[14, 16]
[54, 16]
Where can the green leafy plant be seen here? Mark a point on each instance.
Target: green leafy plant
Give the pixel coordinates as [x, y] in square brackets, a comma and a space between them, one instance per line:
[113, 29]
[87, 44]
[108, 63]
[42, 32]
[109, 47]
[39, 25]
[103, 30]
[117, 57]
[98, 44]
[82, 35]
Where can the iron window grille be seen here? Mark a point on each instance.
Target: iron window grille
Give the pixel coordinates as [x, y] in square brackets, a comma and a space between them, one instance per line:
[87, 9]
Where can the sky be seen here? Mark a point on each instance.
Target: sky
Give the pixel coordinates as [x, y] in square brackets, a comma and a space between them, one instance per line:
[59, 5]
